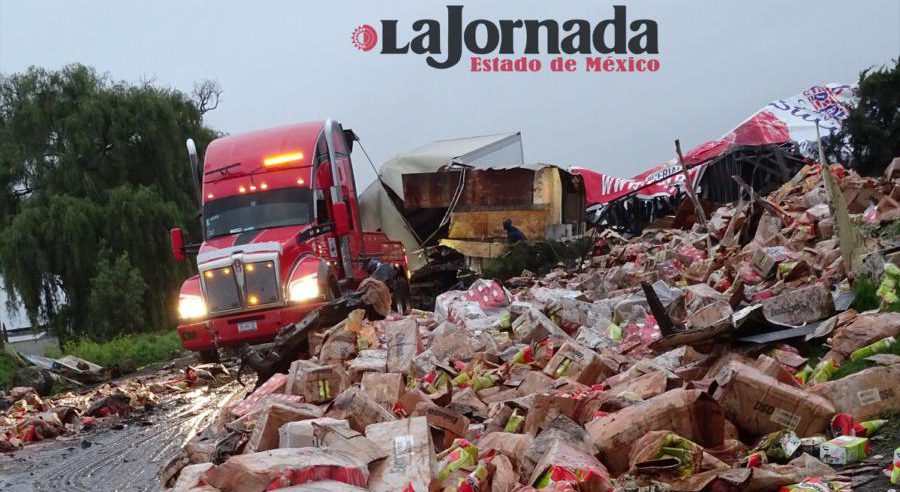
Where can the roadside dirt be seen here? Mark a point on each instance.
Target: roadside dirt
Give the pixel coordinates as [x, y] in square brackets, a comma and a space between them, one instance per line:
[120, 454]
[870, 477]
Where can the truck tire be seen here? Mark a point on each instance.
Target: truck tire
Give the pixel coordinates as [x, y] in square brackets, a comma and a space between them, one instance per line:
[34, 377]
[210, 356]
[334, 289]
[401, 295]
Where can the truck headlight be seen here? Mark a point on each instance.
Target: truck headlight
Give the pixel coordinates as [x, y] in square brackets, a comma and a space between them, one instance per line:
[304, 289]
[191, 307]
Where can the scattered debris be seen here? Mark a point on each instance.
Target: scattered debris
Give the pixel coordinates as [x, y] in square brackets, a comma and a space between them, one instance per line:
[681, 359]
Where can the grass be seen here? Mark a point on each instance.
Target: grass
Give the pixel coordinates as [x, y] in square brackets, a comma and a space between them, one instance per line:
[141, 349]
[849, 367]
[8, 367]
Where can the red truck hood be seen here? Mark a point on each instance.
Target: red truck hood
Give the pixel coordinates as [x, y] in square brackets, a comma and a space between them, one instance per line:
[274, 239]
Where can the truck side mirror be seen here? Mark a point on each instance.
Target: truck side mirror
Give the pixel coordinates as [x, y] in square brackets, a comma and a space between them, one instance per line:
[177, 237]
[341, 219]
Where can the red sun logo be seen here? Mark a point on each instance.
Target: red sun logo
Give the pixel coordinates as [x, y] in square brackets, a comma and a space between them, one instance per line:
[364, 37]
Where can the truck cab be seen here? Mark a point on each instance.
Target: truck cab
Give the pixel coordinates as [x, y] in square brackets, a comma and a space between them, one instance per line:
[281, 234]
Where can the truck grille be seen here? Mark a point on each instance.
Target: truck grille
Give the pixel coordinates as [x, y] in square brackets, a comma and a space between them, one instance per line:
[260, 283]
[223, 293]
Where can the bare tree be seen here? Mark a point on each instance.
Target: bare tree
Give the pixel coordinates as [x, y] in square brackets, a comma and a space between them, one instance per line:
[207, 94]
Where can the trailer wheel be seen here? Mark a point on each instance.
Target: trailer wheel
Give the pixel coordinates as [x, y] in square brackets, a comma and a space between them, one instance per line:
[401, 295]
[334, 290]
[209, 356]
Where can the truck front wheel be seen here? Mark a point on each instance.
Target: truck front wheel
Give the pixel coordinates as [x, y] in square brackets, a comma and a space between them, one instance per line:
[208, 356]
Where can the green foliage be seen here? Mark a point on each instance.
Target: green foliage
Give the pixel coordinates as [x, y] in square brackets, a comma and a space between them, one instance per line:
[890, 231]
[866, 298]
[142, 349]
[538, 257]
[87, 164]
[873, 126]
[115, 300]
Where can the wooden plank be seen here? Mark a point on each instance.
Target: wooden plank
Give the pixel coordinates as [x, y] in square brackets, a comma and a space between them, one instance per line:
[480, 225]
[483, 188]
[476, 249]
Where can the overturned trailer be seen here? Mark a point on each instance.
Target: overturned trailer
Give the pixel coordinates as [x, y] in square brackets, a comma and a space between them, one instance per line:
[447, 200]
[765, 151]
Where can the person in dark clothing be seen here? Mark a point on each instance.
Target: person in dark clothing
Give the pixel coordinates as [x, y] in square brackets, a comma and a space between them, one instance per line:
[513, 234]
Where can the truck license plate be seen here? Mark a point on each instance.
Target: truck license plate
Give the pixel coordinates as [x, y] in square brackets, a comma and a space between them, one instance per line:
[245, 326]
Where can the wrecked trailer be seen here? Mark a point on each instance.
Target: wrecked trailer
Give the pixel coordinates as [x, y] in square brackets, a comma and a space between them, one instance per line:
[382, 203]
[764, 168]
[542, 200]
[447, 200]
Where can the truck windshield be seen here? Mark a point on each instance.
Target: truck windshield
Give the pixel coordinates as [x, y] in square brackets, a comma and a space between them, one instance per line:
[259, 210]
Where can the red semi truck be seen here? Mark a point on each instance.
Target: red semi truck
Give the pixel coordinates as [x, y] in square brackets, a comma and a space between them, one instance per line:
[281, 234]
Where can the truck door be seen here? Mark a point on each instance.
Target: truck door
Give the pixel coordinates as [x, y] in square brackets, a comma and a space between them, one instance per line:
[336, 200]
[343, 198]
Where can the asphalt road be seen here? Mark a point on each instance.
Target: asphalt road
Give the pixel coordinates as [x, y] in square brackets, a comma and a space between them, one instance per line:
[121, 454]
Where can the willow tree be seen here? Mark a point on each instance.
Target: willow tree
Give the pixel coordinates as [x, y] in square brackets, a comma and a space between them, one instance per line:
[93, 174]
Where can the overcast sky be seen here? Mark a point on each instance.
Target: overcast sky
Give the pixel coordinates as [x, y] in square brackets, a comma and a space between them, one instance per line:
[290, 61]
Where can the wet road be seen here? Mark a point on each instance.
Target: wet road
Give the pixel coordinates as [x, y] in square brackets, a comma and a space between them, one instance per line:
[124, 457]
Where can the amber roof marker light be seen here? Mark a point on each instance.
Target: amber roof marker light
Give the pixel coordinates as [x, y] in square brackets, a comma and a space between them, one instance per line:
[279, 159]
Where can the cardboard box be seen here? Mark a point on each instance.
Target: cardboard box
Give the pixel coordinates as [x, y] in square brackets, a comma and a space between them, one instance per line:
[562, 429]
[866, 394]
[511, 445]
[403, 344]
[562, 455]
[759, 404]
[385, 388]
[367, 361]
[864, 330]
[349, 441]
[469, 403]
[691, 414]
[190, 476]
[843, 450]
[772, 368]
[532, 327]
[577, 363]
[699, 295]
[275, 384]
[410, 458]
[765, 260]
[318, 486]
[266, 432]
[713, 314]
[799, 306]
[339, 345]
[456, 345]
[534, 382]
[451, 425]
[254, 472]
[645, 386]
[359, 409]
[301, 434]
[545, 408]
[317, 384]
[572, 313]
